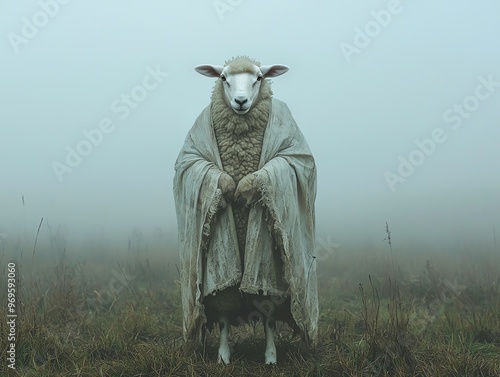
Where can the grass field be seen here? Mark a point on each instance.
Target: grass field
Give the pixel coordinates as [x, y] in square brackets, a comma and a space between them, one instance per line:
[101, 314]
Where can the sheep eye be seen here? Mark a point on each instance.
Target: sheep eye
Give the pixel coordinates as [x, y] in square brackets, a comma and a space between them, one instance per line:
[223, 78]
[259, 78]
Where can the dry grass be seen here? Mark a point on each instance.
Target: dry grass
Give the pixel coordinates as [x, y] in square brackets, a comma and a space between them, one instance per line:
[98, 318]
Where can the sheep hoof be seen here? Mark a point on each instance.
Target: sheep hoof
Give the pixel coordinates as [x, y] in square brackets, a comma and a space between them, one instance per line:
[271, 356]
[224, 355]
[226, 183]
[246, 189]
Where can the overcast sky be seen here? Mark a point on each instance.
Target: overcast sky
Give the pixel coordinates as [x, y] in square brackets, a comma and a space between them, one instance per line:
[399, 101]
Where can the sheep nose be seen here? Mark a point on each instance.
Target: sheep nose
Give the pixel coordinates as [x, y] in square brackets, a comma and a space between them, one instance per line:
[240, 102]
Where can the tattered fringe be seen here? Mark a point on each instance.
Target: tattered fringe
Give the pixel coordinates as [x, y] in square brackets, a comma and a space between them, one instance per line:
[212, 210]
[280, 236]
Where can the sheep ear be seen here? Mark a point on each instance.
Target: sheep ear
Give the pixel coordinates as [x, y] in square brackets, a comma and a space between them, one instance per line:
[209, 70]
[273, 70]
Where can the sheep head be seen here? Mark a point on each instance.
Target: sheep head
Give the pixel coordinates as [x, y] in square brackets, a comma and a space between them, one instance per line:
[241, 79]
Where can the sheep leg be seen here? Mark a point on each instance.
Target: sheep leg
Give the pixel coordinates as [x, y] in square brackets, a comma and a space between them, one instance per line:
[269, 326]
[224, 352]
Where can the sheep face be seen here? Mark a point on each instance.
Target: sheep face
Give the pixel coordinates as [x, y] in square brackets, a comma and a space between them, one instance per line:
[241, 82]
[241, 89]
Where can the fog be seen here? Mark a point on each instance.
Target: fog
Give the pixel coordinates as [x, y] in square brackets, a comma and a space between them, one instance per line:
[399, 102]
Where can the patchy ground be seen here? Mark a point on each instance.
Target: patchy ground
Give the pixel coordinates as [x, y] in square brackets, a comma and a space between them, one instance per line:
[77, 318]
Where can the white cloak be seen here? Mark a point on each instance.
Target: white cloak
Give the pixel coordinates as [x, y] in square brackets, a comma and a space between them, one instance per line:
[286, 180]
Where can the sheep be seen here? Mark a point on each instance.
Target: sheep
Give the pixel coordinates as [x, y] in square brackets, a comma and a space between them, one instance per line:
[245, 186]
